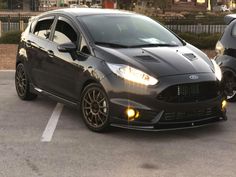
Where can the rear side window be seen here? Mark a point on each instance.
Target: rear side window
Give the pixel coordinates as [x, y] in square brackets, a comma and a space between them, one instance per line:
[43, 28]
[64, 33]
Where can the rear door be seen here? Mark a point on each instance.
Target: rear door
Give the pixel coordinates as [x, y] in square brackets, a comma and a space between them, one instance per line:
[36, 46]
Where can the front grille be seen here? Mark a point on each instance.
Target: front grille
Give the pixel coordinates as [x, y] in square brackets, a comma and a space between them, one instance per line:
[190, 115]
[147, 116]
[193, 92]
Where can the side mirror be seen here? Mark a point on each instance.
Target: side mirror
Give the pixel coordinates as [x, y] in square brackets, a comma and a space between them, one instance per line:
[67, 47]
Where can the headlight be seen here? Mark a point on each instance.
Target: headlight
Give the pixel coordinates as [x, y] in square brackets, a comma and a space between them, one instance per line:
[132, 74]
[217, 69]
[219, 48]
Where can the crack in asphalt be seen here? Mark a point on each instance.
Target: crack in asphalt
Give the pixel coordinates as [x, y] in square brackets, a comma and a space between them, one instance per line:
[33, 166]
[27, 160]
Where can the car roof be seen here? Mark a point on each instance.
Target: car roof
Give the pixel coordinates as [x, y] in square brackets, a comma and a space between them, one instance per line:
[229, 18]
[88, 11]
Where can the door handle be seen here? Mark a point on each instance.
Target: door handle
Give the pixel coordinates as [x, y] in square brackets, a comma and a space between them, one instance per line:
[50, 53]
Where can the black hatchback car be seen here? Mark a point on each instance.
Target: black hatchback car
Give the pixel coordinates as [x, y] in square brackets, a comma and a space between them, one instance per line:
[120, 69]
[226, 57]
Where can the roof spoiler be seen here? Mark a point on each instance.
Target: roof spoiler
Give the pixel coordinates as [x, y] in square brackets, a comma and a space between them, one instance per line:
[229, 18]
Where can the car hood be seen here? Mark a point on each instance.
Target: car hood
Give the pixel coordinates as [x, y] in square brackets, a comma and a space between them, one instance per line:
[159, 61]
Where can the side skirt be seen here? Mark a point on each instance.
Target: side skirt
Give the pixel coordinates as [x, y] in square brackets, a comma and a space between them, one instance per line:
[53, 96]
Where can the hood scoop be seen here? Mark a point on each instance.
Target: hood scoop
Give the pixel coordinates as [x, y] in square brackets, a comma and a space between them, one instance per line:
[190, 56]
[147, 58]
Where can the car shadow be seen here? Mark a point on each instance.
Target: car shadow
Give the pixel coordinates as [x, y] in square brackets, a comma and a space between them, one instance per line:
[191, 133]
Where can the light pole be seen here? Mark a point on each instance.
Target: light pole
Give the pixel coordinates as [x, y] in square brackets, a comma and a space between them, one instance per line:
[209, 5]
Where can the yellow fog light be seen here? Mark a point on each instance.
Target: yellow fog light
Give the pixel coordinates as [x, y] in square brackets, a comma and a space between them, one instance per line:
[224, 104]
[137, 115]
[131, 114]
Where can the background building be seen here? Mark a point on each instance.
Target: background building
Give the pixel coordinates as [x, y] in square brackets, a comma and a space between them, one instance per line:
[189, 5]
[171, 5]
[19, 5]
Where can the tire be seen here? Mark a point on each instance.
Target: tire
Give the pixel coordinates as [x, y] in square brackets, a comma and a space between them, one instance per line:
[22, 84]
[95, 108]
[232, 98]
[229, 84]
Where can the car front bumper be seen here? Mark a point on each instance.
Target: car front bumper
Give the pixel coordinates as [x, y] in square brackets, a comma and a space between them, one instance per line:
[156, 114]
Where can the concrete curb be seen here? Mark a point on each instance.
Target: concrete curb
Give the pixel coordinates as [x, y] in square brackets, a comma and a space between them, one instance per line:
[7, 70]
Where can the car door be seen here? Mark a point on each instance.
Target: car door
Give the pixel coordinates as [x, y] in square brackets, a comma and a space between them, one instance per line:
[62, 68]
[36, 48]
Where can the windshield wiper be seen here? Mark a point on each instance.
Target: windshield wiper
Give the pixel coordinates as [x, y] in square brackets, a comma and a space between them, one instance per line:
[113, 45]
[154, 45]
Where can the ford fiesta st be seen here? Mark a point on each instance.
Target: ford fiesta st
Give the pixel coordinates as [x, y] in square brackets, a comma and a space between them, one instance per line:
[120, 68]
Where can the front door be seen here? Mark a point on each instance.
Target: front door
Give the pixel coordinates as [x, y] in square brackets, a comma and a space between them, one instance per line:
[62, 69]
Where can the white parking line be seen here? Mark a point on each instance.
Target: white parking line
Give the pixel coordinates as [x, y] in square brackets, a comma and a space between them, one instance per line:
[52, 123]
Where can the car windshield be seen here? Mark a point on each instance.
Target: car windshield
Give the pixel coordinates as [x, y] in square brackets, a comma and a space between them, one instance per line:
[128, 31]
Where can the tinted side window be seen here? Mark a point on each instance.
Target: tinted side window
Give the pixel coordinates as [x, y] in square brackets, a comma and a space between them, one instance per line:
[64, 33]
[43, 28]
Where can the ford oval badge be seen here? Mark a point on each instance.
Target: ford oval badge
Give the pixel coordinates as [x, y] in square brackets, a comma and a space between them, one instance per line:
[193, 77]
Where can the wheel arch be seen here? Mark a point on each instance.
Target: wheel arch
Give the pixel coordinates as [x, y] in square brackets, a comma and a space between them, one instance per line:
[18, 62]
[91, 81]
[228, 71]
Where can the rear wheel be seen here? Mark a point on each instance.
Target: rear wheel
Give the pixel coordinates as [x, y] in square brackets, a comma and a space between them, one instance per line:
[22, 84]
[95, 108]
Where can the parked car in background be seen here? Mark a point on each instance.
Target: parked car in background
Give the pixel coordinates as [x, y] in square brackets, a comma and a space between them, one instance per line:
[96, 6]
[226, 56]
[78, 6]
[120, 68]
[221, 8]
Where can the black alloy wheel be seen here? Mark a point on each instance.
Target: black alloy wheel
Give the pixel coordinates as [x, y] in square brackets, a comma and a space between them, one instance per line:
[230, 87]
[95, 108]
[22, 84]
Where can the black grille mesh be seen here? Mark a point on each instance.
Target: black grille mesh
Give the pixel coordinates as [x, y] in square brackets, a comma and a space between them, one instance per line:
[190, 115]
[193, 92]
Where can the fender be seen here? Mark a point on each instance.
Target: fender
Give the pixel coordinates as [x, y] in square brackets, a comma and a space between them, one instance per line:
[227, 63]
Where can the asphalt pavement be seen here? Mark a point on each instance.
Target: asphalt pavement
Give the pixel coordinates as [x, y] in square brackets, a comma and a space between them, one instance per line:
[74, 151]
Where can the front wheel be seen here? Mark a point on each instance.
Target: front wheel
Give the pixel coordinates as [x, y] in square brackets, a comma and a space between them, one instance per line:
[95, 108]
[230, 87]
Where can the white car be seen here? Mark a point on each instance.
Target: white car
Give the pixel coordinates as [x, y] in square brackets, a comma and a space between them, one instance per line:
[78, 6]
[221, 8]
[224, 8]
[96, 6]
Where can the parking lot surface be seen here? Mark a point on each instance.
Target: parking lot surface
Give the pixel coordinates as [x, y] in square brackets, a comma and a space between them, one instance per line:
[74, 151]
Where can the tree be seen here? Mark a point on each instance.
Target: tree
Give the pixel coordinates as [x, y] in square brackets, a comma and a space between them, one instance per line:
[3, 4]
[124, 4]
[162, 4]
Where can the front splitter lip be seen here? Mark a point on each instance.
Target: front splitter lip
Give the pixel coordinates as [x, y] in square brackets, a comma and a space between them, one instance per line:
[154, 129]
